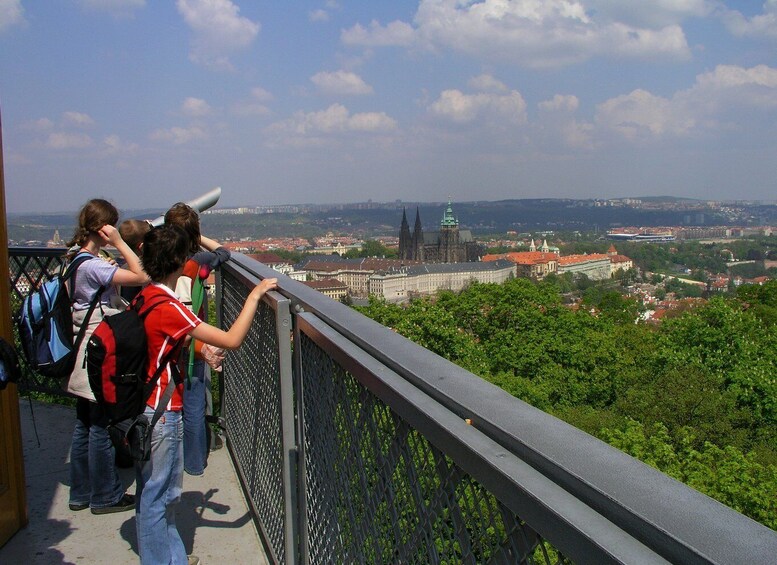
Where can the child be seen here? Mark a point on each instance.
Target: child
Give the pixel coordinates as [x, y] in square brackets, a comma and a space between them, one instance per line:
[196, 399]
[160, 479]
[132, 232]
[93, 478]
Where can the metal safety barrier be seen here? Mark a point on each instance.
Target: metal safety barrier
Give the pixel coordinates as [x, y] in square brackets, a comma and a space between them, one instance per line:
[355, 445]
[29, 267]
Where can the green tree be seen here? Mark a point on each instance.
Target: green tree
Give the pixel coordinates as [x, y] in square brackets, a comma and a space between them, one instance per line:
[372, 248]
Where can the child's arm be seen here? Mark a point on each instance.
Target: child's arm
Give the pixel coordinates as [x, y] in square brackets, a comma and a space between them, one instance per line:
[208, 244]
[232, 338]
[133, 274]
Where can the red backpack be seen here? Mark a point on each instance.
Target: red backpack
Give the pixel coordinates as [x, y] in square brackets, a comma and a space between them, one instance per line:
[117, 361]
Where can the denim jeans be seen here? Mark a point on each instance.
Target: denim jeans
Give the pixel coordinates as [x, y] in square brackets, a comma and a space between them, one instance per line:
[93, 477]
[195, 428]
[160, 482]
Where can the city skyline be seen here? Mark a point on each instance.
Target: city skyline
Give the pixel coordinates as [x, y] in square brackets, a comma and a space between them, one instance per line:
[148, 103]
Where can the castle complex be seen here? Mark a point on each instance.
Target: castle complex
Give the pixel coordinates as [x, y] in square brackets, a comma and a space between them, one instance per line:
[449, 245]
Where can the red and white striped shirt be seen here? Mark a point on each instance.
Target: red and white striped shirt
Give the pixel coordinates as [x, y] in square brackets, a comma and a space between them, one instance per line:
[166, 325]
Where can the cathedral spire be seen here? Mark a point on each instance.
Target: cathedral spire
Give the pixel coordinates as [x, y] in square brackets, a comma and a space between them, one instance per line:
[405, 240]
[448, 219]
[418, 238]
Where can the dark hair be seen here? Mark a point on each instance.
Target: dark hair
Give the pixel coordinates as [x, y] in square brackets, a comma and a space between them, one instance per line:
[95, 214]
[165, 250]
[132, 232]
[184, 216]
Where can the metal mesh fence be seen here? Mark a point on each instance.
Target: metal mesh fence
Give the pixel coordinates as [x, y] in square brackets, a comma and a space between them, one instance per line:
[252, 412]
[369, 487]
[378, 492]
[28, 269]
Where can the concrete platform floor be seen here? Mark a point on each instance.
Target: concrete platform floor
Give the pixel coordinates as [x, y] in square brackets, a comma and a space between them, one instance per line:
[213, 518]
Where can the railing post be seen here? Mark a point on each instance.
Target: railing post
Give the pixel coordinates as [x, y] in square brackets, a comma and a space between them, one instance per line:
[301, 485]
[283, 326]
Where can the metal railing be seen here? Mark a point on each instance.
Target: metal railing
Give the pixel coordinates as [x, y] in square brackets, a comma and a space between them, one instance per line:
[354, 445]
[30, 267]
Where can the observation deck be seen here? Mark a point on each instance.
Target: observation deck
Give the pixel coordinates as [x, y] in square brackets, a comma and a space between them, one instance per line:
[354, 445]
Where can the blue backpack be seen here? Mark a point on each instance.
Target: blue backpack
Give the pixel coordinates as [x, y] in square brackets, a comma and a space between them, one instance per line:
[45, 323]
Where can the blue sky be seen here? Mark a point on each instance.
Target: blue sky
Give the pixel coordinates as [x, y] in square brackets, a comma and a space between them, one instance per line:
[147, 103]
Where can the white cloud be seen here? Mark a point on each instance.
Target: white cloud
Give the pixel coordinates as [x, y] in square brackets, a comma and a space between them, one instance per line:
[763, 25]
[11, 13]
[557, 126]
[77, 119]
[641, 113]
[397, 34]
[65, 140]
[341, 83]
[41, 124]
[119, 8]
[314, 127]
[722, 98]
[255, 105]
[559, 102]
[531, 33]
[260, 94]
[113, 145]
[219, 30]
[195, 107]
[653, 14]
[318, 16]
[251, 109]
[458, 107]
[179, 135]
[486, 83]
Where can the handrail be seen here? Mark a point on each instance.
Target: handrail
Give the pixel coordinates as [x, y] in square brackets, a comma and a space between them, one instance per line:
[673, 519]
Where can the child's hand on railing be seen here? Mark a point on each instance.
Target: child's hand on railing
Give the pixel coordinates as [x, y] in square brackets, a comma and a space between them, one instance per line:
[262, 287]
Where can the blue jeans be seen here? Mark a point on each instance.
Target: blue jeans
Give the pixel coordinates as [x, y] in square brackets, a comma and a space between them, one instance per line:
[93, 477]
[195, 428]
[159, 483]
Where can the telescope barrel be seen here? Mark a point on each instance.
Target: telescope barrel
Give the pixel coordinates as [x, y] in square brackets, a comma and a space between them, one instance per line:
[200, 203]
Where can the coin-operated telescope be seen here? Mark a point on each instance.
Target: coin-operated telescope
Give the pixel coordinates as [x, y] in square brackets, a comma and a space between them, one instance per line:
[201, 203]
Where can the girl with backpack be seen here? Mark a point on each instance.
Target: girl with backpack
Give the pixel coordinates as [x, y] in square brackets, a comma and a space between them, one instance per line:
[160, 479]
[94, 481]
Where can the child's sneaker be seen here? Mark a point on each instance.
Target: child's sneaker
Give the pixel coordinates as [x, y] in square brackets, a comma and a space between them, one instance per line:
[126, 502]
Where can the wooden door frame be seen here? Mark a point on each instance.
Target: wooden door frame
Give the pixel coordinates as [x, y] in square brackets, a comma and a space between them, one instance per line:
[13, 497]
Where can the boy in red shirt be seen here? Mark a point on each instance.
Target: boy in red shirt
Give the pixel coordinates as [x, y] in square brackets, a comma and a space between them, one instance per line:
[160, 479]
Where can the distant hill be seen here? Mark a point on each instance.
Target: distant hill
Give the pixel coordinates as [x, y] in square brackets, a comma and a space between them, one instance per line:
[482, 217]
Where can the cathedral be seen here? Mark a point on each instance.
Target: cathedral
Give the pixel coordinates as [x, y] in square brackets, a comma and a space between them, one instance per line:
[449, 245]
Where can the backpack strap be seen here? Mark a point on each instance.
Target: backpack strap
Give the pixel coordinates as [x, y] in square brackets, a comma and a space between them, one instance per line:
[167, 394]
[70, 272]
[85, 323]
[70, 269]
[138, 304]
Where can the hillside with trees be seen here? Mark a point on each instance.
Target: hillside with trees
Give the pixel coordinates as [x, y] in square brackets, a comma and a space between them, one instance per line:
[695, 397]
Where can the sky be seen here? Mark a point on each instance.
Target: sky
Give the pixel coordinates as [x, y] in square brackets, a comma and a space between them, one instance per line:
[147, 103]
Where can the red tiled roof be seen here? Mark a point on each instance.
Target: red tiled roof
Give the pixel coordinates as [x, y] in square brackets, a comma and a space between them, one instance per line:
[267, 258]
[326, 284]
[524, 257]
[574, 259]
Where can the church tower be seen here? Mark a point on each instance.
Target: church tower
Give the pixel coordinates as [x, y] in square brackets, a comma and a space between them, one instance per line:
[418, 238]
[449, 237]
[405, 240]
